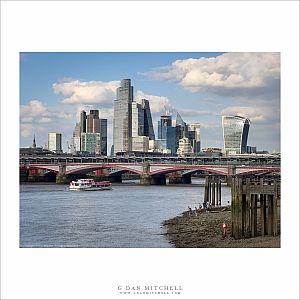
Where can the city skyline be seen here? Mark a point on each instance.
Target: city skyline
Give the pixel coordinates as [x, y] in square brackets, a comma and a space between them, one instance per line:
[55, 87]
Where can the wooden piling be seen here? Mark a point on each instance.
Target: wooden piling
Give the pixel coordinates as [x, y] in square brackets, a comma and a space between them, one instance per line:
[213, 191]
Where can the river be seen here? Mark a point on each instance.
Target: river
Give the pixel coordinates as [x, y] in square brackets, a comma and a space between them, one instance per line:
[128, 216]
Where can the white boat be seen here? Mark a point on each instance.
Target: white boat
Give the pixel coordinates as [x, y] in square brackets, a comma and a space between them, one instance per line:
[89, 185]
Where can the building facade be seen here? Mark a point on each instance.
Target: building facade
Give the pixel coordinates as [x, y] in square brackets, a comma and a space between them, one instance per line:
[55, 142]
[193, 134]
[91, 142]
[167, 132]
[185, 147]
[122, 129]
[235, 134]
[148, 124]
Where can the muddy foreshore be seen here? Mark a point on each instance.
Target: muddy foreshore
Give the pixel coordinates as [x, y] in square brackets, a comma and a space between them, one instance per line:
[204, 231]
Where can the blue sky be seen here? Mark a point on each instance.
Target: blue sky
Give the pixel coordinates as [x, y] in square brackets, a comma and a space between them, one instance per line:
[202, 87]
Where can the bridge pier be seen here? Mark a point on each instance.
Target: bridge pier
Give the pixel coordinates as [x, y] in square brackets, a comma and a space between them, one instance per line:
[254, 207]
[146, 179]
[61, 177]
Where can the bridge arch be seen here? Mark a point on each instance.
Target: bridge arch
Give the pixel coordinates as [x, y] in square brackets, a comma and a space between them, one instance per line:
[190, 169]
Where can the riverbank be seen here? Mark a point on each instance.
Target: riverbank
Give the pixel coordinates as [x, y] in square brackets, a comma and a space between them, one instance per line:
[204, 231]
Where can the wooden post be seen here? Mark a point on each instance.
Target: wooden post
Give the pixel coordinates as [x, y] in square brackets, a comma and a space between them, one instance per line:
[247, 208]
[213, 194]
[217, 191]
[253, 215]
[233, 207]
[275, 208]
[209, 189]
[263, 213]
[206, 190]
[270, 214]
[220, 192]
[236, 208]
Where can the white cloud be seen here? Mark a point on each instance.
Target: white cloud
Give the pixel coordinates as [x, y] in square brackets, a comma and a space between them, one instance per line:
[232, 74]
[26, 130]
[255, 114]
[157, 103]
[87, 92]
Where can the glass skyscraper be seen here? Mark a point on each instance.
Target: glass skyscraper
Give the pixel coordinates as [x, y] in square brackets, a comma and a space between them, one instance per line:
[122, 132]
[148, 125]
[167, 132]
[235, 134]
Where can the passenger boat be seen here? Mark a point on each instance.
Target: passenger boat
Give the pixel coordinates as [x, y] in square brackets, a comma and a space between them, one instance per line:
[89, 185]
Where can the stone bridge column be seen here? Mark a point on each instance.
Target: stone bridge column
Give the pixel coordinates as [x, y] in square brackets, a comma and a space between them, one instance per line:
[61, 177]
[147, 179]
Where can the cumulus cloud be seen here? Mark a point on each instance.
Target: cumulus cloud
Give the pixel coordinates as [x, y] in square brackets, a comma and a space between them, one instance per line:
[232, 74]
[255, 114]
[86, 92]
[157, 103]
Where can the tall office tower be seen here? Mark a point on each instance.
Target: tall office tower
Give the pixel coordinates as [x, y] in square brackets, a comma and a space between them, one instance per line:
[235, 134]
[122, 132]
[54, 142]
[193, 134]
[76, 139]
[137, 115]
[91, 142]
[103, 136]
[92, 122]
[164, 122]
[83, 121]
[148, 125]
[167, 132]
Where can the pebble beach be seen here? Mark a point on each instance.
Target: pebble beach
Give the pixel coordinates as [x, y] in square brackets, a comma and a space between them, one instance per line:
[203, 230]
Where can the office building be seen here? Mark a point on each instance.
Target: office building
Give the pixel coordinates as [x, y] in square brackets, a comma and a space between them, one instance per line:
[76, 139]
[167, 132]
[140, 143]
[54, 142]
[185, 148]
[148, 125]
[91, 142]
[103, 136]
[82, 121]
[193, 134]
[90, 135]
[122, 129]
[235, 134]
[137, 115]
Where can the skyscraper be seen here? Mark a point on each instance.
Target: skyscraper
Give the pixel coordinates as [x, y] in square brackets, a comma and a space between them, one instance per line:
[54, 142]
[76, 138]
[235, 134]
[148, 125]
[137, 115]
[122, 131]
[167, 132]
[93, 122]
[83, 121]
[193, 134]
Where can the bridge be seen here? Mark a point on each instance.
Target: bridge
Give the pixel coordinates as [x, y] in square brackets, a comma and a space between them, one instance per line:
[149, 172]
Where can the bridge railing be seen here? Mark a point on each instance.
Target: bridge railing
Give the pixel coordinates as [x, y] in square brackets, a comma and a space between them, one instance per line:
[189, 161]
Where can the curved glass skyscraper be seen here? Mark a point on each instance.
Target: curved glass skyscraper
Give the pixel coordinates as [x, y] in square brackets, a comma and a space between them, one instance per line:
[235, 134]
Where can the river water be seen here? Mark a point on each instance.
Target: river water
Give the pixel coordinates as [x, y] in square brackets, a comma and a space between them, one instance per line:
[129, 215]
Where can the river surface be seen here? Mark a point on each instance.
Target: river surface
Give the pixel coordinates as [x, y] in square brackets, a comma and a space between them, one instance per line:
[128, 216]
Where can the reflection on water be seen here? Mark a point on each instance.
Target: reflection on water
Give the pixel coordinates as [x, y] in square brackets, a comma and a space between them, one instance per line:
[130, 215]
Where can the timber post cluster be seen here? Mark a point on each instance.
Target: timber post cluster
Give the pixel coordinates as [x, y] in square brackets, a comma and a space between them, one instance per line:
[255, 206]
[212, 191]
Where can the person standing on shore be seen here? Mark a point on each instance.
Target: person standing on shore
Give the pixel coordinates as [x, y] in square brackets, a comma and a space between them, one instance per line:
[190, 211]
